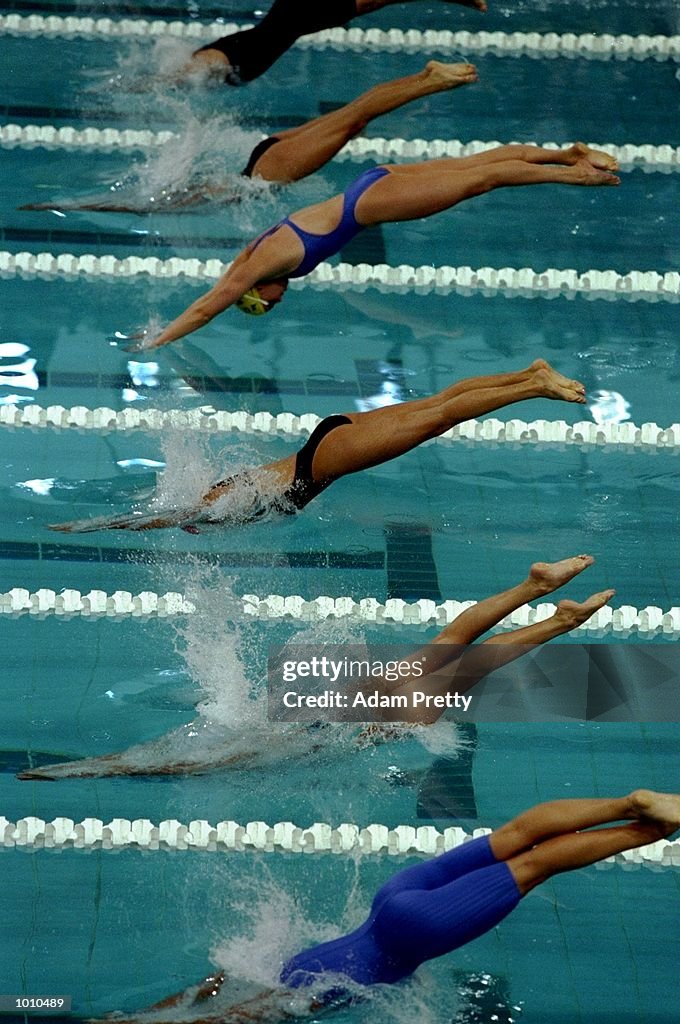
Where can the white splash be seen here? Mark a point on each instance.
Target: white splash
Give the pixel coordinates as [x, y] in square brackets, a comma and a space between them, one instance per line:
[609, 407]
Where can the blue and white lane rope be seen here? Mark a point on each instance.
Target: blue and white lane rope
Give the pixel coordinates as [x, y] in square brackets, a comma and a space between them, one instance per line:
[547, 45]
[626, 437]
[636, 285]
[33, 833]
[625, 620]
[108, 140]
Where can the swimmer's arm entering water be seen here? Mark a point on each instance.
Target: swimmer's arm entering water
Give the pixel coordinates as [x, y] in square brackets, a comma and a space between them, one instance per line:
[267, 1007]
[249, 268]
[167, 202]
[183, 518]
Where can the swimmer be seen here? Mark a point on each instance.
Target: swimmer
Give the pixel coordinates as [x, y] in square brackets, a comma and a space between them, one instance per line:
[340, 445]
[451, 667]
[438, 905]
[257, 279]
[243, 56]
[289, 155]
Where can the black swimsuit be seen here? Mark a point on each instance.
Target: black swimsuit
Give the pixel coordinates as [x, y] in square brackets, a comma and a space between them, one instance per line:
[303, 488]
[260, 149]
[251, 52]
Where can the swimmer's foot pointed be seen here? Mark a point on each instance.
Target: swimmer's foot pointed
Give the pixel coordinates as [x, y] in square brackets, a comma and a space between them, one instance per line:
[549, 576]
[574, 614]
[662, 807]
[586, 173]
[596, 157]
[555, 384]
[450, 76]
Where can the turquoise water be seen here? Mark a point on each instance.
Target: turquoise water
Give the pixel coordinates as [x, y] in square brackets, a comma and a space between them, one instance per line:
[121, 930]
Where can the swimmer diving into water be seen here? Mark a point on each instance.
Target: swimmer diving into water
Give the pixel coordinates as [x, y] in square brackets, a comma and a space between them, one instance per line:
[453, 666]
[289, 155]
[243, 56]
[257, 279]
[436, 906]
[339, 445]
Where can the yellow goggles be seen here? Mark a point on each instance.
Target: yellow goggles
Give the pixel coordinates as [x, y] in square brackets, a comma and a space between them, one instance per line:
[251, 302]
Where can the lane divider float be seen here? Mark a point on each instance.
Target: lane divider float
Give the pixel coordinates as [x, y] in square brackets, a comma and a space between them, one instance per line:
[142, 834]
[511, 282]
[539, 45]
[110, 140]
[627, 437]
[122, 604]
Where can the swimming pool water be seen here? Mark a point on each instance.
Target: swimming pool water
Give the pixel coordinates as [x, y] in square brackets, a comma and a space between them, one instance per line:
[119, 931]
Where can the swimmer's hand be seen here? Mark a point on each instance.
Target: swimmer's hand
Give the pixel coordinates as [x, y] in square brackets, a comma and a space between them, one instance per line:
[139, 341]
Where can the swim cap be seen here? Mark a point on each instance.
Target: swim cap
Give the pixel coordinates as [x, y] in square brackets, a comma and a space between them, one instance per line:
[252, 302]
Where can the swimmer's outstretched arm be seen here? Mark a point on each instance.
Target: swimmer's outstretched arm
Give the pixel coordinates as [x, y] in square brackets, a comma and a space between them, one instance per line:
[186, 198]
[161, 757]
[136, 761]
[270, 1005]
[249, 268]
[228, 290]
[137, 521]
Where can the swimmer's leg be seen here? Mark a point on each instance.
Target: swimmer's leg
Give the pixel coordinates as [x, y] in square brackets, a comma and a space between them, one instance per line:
[568, 156]
[383, 434]
[547, 839]
[244, 56]
[543, 579]
[285, 22]
[301, 151]
[426, 191]
[436, 921]
[456, 666]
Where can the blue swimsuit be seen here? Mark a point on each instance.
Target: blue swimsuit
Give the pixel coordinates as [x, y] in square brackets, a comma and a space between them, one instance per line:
[422, 912]
[320, 247]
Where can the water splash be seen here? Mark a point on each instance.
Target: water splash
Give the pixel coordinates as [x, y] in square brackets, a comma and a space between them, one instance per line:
[609, 407]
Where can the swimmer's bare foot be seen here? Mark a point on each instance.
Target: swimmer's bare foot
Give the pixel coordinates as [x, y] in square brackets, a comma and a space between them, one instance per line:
[450, 76]
[549, 576]
[662, 807]
[556, 385]
[596, 157]
[583, 172]
[573, 614]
